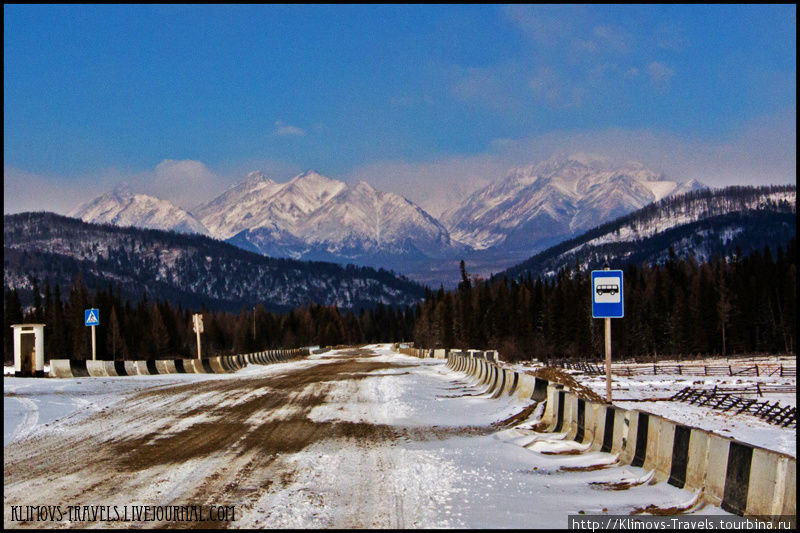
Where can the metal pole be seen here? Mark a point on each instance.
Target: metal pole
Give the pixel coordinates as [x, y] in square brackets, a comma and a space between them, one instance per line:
[94, 353]
[197, 329]
[608, 360]
[608, 354]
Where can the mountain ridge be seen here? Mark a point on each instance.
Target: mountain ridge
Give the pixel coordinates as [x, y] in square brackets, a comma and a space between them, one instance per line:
[700, 223]
[191, 269]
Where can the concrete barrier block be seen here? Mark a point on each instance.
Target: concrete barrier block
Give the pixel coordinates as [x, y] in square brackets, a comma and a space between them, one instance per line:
[631, 438]
[716, 469]
[665, 440]
[512, 380]
[141, 368]
[96, 368]
[737, 478]
[60, 368]
[790, 491]
[622, 429]
[216, 365]
[696, 460]
[550, 407]
[111, 368]
[525, 387]
[162, 367]
[192, 366]
[767, 487]
[78, 368]
[570, 423]
[540, 390]
[595, 425]
[679, 462]
[651, 448]
[602, 427]
[499, 382]
[130, 368]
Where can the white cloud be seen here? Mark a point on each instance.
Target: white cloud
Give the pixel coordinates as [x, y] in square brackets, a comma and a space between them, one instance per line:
[659, 73]
[28, 191]
[762, 152]
[433, 185]
[282, 129]
[185, 183]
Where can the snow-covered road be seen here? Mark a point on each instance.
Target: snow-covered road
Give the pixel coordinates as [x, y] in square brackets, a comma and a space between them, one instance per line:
[349, 438]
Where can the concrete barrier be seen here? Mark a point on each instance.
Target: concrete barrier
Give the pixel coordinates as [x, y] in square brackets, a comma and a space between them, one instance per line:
[499, 381]
[215, 363]
[228, 364]
[96, 368]
[741, 478]
[525, 387]
[540, 390]
[59, 368]
[570, 402]
[130, 368]
[111, 368]
[193, 366]
[141, 368]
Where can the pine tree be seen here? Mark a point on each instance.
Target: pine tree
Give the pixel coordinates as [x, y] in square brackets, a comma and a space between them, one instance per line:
[12, 312]
[114, 339]
[159, 333]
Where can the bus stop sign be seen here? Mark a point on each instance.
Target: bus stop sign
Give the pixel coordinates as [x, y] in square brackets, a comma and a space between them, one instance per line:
[607, 300]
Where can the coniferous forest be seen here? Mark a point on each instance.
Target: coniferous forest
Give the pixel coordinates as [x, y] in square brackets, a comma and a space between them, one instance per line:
[742, 304]
[681, 308]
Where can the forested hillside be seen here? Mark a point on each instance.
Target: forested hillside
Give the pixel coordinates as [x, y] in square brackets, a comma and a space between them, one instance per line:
[158, 329]
[681, 308]
[189, 269]
[699, 223]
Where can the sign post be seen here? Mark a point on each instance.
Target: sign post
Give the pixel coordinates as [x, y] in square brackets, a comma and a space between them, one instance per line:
[92, 318]
[607, 303]
[197, 326]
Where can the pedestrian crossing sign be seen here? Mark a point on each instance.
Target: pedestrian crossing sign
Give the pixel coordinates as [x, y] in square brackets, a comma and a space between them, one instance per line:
[92, 317]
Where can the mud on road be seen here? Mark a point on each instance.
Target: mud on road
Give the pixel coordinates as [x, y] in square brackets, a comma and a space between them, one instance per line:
[215, 442]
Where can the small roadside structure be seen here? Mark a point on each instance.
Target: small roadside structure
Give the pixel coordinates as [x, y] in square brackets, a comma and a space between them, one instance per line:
[28, 350]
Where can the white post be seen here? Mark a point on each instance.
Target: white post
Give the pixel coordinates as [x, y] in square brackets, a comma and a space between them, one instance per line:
[94, 352]
[198, 344]
[197, 319]
[608, 360]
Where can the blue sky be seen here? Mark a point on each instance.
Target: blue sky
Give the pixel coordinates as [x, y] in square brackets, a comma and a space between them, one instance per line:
[421, 100]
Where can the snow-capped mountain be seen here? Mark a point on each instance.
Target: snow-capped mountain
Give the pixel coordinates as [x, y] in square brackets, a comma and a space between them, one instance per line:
[122, 207]
[376, 222]
[699, 223]
[237, 208]
[315, 217]
[541, 204]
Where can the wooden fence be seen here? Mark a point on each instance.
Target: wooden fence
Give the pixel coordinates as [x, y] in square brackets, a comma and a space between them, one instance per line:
[727, 400]
[685, 369]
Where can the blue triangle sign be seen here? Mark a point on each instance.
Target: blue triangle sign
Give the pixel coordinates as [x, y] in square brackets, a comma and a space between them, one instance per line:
[91, 317]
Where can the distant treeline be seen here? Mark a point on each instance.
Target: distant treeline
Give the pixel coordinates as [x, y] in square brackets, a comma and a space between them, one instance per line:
[742, 304]
[158, 329]
[681, 308]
